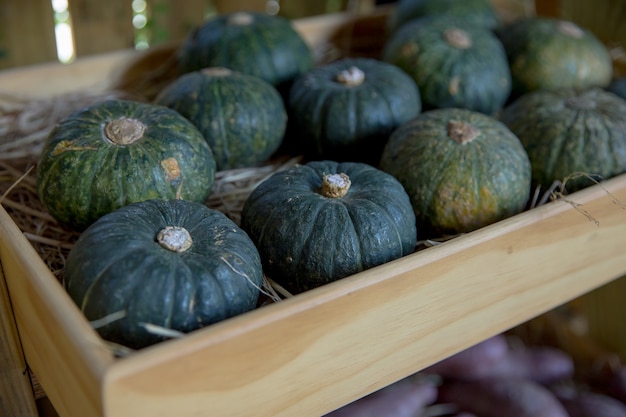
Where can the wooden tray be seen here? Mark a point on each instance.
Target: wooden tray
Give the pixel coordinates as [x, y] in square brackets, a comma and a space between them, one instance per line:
[315, 352]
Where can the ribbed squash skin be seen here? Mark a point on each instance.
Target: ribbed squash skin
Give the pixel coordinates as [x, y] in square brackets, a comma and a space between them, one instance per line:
[458, 187]
[332, 120]
[568, 132]
[82, 174]
[551, 54]
[475, 12]
[453, 64]
[307, 239]
[117, 265]
[249, 42]
[242, 117]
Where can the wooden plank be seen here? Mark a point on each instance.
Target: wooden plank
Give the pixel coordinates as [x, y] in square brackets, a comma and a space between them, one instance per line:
[604, 311]
[101, 26]
[17, 399]
[551, 8]
[61, 348]
[322, 349]
[92, 73]
[26, 33]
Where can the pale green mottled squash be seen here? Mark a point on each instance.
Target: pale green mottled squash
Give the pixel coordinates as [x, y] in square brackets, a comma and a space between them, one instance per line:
[462, 170]
[577, 136]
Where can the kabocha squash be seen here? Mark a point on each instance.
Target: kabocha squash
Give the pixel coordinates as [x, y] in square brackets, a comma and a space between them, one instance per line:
[346, 110]
[549, 54]
[117, 152]
[162, 264]
[453, 64]
[462, 170]
[241, 116]
[324, 220]
[480, 13]
[259, 44]
[570, 135]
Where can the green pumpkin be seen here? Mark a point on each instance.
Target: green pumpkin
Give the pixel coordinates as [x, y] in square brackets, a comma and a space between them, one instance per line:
[117, 152]
[173, 264]
[242, 117]
[346, 110]
[453, 64]
[550, 54]
[570, 132]
[462, 170]
[480, 13]
[259, 44]
[322, 221]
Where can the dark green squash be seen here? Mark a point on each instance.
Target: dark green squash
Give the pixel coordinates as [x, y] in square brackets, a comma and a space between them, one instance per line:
[480, 13]
[453, 64]
[174, 264]
[242, 117]
[346, 110]
[549, 54]
[570, 132]
[117, 152]
[254, 43]
[322, 221]
[618, 86]
[462, 170]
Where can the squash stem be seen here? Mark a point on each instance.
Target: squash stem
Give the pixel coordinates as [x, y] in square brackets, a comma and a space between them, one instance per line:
[335, 185]
[174, 238]
[351, 77]
[216, 72]
[124, 131]
[240, 19]
[458, 38]
[570, 29]
[462, 132]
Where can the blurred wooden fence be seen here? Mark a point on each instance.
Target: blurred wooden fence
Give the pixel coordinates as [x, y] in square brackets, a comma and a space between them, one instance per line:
[27, 27]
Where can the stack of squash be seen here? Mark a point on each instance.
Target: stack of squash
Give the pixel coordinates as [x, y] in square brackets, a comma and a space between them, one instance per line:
[449, 130]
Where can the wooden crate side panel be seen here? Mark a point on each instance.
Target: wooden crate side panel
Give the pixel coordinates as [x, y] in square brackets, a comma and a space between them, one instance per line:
[101, 26]
[45, 81]
[604, 310]
[67, 356]
[26, 33]
[17, 399]
[323, 349]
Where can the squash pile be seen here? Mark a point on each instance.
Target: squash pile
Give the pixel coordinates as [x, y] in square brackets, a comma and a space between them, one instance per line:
[447, 131]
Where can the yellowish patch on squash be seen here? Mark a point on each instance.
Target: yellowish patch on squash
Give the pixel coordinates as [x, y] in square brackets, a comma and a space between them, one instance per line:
[66, 145]
[171, 168]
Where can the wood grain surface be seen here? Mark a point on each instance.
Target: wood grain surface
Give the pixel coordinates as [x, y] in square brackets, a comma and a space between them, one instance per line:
[313, 353]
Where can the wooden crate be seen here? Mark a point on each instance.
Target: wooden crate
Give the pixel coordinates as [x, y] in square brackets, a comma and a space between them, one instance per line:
[317, 351]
